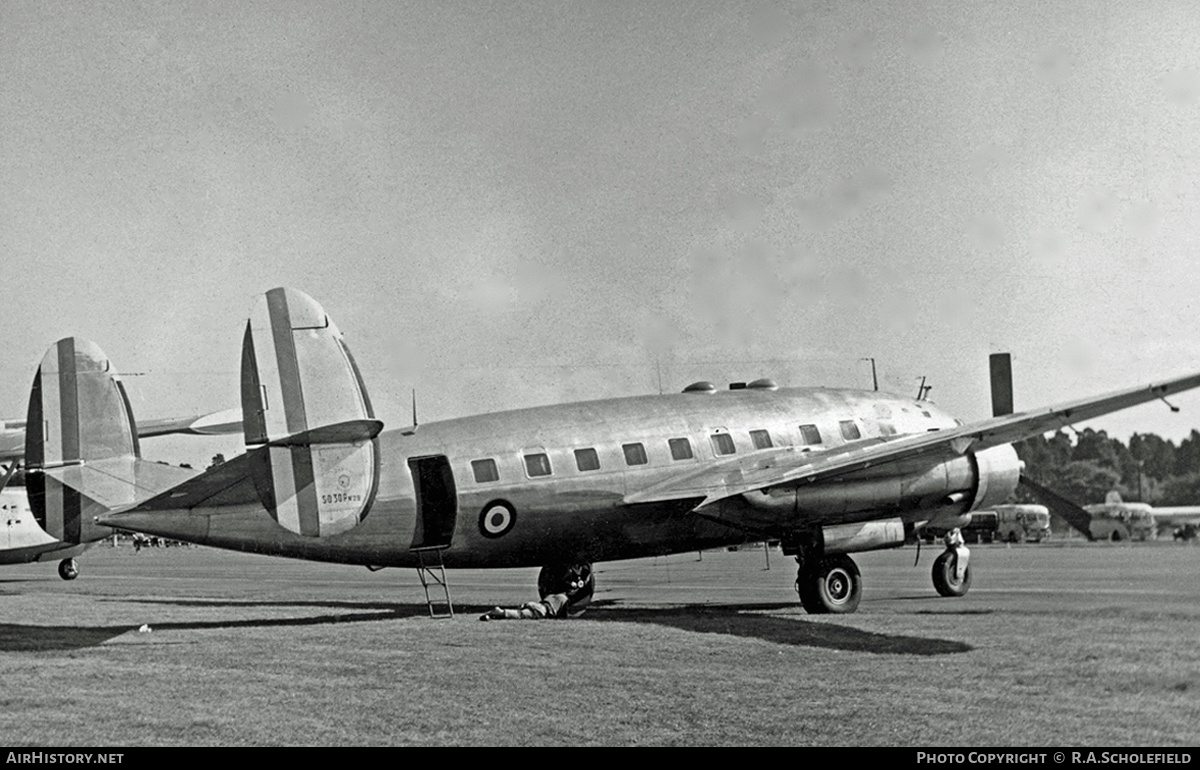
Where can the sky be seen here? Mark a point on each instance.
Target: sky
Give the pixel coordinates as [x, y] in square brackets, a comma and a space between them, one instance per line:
[507, 204]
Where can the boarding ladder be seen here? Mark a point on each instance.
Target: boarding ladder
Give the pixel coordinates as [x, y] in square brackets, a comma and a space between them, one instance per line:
[433, 575]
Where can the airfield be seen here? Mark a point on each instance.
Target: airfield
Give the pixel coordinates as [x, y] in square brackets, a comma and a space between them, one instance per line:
[1056, 644]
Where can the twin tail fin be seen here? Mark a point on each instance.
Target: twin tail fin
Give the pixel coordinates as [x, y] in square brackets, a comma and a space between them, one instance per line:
[308, 422]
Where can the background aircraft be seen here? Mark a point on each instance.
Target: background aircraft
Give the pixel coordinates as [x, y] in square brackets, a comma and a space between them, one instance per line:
[827, 472]
[75, 378]
[1117, 520]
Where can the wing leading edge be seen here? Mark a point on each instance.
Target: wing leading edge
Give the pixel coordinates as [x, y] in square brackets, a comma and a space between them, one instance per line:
[789, 466]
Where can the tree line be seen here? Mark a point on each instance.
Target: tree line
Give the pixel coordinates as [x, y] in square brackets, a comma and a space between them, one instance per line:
[1149, 469]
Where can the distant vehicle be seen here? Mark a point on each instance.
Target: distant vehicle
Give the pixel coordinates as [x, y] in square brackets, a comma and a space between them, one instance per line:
[980, 529]
[1116, 520]
[1022, 523]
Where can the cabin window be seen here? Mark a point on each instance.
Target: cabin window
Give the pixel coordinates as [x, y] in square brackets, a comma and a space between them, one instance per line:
[761, 439]
[723, 444]
[850, 430]
[537, 465]
[809, 434]
[681, 448]
[587, 460]
[635, 454]
[485, 471]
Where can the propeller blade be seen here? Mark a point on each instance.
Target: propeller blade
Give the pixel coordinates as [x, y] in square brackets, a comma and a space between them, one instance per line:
[1000, 365]
[1061, 506]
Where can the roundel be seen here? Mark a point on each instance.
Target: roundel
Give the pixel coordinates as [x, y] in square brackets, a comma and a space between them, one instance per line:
[497, 518]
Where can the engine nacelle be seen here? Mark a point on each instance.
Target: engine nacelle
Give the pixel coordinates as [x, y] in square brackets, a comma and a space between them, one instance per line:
[998, 471]
[970, 482]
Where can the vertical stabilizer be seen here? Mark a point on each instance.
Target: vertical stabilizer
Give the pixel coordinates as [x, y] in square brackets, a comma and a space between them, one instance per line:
[299, 380]
[79, 416]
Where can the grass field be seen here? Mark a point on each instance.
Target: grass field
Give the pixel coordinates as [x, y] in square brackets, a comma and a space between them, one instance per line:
[1084, 645]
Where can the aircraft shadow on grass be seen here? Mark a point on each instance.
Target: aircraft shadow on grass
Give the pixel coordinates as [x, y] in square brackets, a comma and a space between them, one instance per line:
[741, 620]
[746, 621]
[29, 638]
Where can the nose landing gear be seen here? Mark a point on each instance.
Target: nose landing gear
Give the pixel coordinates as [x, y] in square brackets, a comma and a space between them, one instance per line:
[951, 570]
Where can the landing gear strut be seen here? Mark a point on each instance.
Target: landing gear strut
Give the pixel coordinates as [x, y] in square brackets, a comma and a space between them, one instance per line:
[577, 581]
[951, 570]
[829, 585]
[68, 569]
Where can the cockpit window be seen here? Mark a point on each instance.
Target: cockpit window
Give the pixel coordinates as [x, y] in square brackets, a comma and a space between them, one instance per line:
[850, 430]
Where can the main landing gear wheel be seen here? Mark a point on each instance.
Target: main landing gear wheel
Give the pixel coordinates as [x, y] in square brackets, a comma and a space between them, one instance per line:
[577, 581]
[832, 586]
[68, 569]
[945, 575]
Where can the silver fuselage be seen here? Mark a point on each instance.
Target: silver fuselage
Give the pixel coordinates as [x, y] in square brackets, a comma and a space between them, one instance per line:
[573, 515]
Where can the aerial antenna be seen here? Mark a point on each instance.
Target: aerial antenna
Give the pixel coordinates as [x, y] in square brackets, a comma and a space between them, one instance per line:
[413, 429]
[923, 389]
[874, 377]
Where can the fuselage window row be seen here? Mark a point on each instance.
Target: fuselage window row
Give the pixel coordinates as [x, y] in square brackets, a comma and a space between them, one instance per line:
[538, 465]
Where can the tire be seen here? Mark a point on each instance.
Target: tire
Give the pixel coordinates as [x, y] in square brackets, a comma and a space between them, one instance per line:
[556, 578]
[834, 587]
[68, 569]
[945, 582]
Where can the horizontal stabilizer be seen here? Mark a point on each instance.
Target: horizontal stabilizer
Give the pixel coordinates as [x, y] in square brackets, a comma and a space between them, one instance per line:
[214, 424]
[229, 483]
[118, 482]
[343, 432]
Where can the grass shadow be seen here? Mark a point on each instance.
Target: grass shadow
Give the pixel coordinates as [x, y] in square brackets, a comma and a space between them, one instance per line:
[744, 621]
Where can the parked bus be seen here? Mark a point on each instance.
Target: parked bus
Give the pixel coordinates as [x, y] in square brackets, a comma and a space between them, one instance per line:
[1022, 523]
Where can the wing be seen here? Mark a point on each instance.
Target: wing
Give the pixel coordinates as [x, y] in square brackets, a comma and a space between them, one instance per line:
[216, 423]
[12, 432]
[12, 443]
[1176, 516]
[791, 466]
